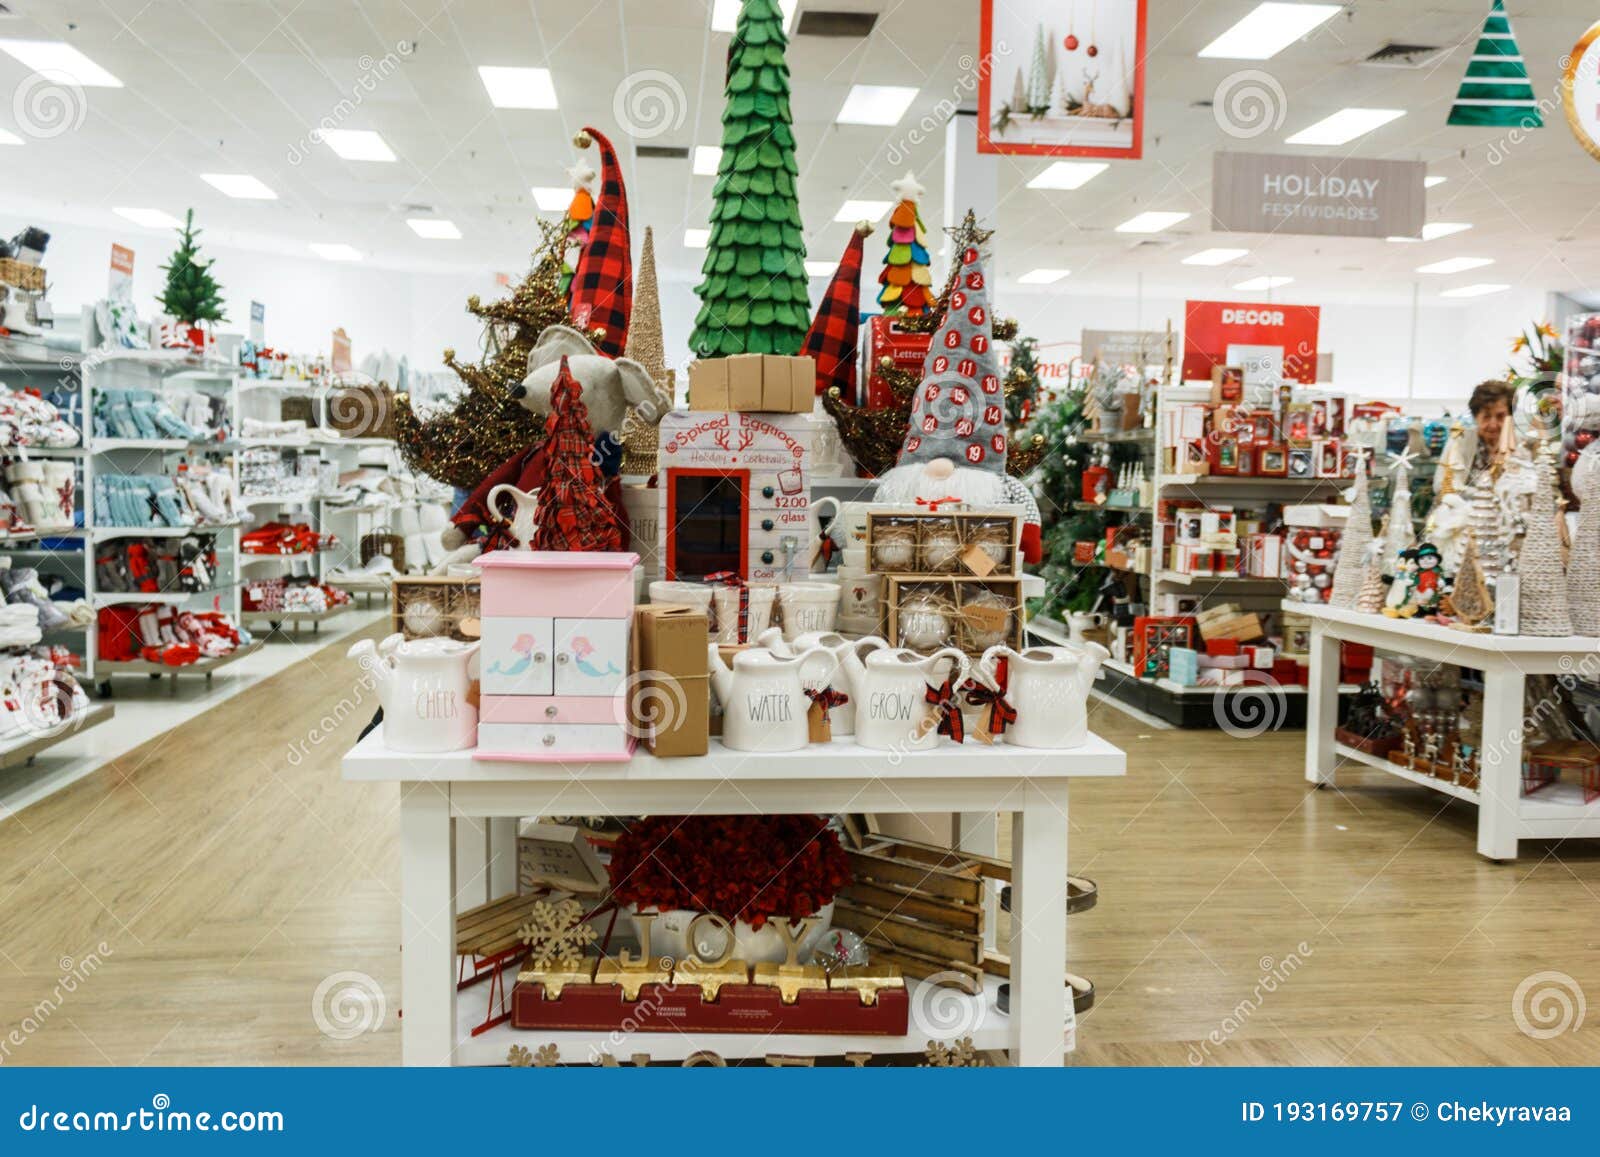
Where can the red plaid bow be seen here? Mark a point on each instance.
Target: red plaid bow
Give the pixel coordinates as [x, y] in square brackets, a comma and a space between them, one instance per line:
[933, 504]
[1000, 710]
[730, 578]
[943, 698]
[827, 697]
[827, 547]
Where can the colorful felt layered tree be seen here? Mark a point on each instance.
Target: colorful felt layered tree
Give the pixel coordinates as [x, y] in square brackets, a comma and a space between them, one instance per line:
[753, 298]
[906, 285]
[576, 224]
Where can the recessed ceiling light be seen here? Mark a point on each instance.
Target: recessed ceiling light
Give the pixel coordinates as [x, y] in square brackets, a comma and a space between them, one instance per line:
[1436, 229]
[1042, 276]
[56, 58]
[861, 211]
[696, 238]
[358, 144]
[1477, 290]
[518, 87]
[876, 104]
[335, 252]
[1258, 283]
[1456, 265]
[1430, 182]
[1215, 256]
[150, 218]
[820, 268]
[552, 198]
[241, 185]
[1268, 30]
[1068, 175]
[1345, 125]
[434, 228]
[1153, 221]
[725, 14]
[707, 159]
[9, 138]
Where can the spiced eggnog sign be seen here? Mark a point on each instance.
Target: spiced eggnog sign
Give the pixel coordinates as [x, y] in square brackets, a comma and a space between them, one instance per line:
[1326, 196]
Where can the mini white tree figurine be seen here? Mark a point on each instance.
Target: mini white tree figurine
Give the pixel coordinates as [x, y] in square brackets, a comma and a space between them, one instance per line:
[1061, 107]
[1348, 572]
[1583, 564]
[1019, 95]
[1402, 534]
[1543, 609]
[1470, 600]
[1374, 591]
[1487, 529]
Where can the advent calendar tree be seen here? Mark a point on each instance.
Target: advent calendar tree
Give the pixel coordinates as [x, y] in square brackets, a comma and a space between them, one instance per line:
[753, 298]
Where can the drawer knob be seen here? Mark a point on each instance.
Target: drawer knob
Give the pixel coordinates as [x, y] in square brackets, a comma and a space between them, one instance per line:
[540, 657]
[562, 656]
[549, 741]
[766, 524]
[767, 492]
[550, 711]
[766, 557]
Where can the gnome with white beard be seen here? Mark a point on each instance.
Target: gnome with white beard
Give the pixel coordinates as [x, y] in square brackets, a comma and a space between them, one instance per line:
[955, 447]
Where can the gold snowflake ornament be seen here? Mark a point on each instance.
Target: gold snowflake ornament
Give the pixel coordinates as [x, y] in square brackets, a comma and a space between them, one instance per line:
[556, 935]
[955, 1055]
[548, 1056]
[519, 1057]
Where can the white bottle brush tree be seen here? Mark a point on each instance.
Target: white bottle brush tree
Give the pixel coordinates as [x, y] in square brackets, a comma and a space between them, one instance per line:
[191, 295]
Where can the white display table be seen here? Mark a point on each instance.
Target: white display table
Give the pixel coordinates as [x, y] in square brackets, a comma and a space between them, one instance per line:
[1504, 816]
[440, 790]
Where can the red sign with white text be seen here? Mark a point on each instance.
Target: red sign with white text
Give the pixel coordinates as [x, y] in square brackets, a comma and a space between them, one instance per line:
[1210, 327]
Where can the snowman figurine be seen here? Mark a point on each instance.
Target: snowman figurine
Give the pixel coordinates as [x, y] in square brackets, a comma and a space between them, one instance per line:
[955, 448]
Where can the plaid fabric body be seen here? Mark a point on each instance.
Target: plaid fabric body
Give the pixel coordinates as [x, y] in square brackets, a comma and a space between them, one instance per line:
[834, 328]
[602, 284]
[573, 511]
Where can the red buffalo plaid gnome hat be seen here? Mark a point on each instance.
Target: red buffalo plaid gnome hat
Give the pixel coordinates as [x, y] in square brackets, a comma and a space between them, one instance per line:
[602, 283]
[573, 511]
[832, 336]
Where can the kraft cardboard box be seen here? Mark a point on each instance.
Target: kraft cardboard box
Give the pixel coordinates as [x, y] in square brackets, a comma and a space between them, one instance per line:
[669, 658]
[754, 383]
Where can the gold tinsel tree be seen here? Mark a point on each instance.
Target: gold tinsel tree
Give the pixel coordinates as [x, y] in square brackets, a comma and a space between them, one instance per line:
[641, 428]
[462, 445]
[874, 437]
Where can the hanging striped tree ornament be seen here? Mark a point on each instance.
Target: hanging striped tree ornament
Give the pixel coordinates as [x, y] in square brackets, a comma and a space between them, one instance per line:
[1496, 92]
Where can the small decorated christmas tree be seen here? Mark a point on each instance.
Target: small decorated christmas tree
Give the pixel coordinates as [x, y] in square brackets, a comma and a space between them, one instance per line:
[1583, 563]
[1402, 530]
[191, 295]
[1470, 600]
[1022, 382]
[753, 298]
[906, 284]
[573, 511]
[1039, 76]
[1487, 526]
[1543, 601]
[576, 224]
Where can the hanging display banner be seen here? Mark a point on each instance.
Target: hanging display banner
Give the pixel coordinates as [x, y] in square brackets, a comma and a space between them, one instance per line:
[1580, 90]
[1325, 196]
[1212, 327]
[258, 324]
[1125, 347]
[119, 282]
[1060, 80]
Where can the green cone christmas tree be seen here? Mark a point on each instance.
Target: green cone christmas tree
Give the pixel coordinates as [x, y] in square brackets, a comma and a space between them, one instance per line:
[753, 298]
[1496, 92]
[192, 295]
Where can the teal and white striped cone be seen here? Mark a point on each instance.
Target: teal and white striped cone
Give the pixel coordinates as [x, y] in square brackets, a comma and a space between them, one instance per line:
[1496, 92]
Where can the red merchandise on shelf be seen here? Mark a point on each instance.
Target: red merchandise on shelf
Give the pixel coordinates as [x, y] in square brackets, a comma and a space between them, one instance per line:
[285, 538]
[907, 351]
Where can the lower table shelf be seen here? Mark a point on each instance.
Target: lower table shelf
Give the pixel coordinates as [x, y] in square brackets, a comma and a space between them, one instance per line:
[19, 750]
[276, 619]
[940, 1015]
[103, 668]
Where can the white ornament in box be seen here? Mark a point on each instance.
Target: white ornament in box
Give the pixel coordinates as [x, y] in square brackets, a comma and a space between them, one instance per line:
[766, 462]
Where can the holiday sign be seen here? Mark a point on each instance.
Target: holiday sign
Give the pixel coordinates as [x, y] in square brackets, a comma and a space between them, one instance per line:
[1061, 80]
[1324, 196]
[1211, 327]
[1580, 90]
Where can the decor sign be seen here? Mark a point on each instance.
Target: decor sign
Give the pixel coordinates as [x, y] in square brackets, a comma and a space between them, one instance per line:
[1212, 328]
[1061, 80]
[1326, 196]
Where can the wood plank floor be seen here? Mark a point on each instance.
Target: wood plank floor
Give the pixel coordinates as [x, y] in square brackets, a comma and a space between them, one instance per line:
[185, 904]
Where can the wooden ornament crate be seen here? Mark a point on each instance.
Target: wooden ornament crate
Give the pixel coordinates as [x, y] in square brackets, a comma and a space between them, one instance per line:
[457, 599]
[943, 544]
[22, 275]
[971, 628]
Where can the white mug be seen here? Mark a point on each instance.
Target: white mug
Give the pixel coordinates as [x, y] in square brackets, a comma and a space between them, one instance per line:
[808, 607]
[849, 520]
[853, 558]
[860, 595]
[757, 611]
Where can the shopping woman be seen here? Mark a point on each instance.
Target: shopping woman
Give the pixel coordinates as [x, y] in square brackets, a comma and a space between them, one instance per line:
[1471, 449]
